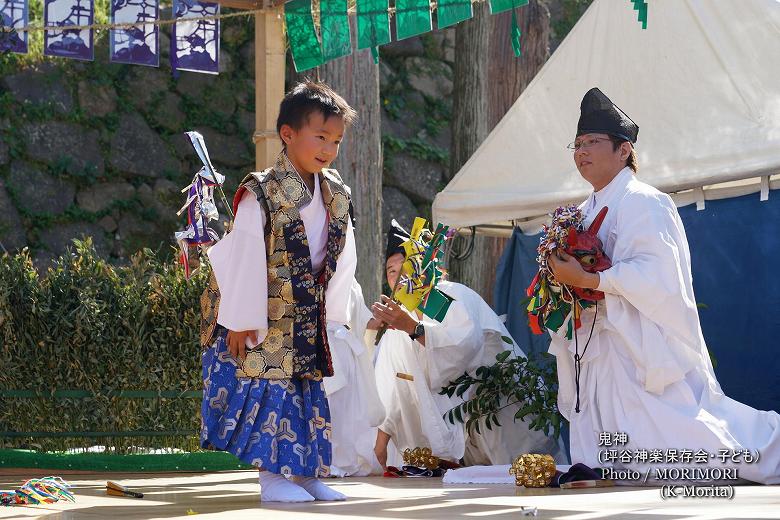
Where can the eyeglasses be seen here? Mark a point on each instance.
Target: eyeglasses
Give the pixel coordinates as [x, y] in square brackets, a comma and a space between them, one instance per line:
[585, 143]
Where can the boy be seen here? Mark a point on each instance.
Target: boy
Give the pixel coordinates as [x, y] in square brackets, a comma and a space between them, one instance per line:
[287, 263]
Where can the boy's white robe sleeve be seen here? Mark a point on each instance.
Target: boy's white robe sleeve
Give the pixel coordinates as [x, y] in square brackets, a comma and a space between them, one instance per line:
[340, 285]
[239, 265]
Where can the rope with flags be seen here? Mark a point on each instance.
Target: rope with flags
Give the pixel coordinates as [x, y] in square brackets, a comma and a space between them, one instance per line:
[318, 31]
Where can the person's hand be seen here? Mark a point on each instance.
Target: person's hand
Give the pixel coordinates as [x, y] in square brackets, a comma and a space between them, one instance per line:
[236, 342]
[568, 271]
[373, 324]
[394, 315]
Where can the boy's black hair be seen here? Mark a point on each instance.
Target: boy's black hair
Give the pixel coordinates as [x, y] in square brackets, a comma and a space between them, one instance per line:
[308, 97]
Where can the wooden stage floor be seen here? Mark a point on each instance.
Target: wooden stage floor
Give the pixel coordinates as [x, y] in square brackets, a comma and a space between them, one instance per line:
[234, 495]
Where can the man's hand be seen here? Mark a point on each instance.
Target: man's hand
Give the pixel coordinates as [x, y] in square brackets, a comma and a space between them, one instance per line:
[394, 315]
[568, 271]
[236, 342]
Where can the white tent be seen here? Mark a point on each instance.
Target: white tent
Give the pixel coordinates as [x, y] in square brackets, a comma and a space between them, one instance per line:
[702, 82]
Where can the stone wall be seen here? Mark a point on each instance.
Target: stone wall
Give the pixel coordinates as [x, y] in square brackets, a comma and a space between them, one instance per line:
[98, 148]
[416, 87]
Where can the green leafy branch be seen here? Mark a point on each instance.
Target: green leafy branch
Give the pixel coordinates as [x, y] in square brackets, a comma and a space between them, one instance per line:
[528, 383]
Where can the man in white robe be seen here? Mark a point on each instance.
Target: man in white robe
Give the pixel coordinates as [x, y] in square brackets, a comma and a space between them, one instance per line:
[355, 408]
[646, 371]
[410, 372]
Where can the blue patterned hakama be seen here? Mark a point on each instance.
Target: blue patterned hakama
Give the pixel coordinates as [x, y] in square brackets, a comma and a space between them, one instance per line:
[282, 426]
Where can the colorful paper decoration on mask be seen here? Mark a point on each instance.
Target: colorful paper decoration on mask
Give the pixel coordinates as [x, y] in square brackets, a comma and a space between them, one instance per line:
[553, 305]
[68, 43]
[137, 45]
[200, 207]
[14, 14]
[422, 270]
[47, 490]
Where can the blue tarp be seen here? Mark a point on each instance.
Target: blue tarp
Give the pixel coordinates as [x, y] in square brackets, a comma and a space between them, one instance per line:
[735, 256]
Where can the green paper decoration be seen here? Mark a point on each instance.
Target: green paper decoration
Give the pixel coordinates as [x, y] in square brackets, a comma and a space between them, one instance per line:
[499, 6]
[437, 305]
[451, 12]
[334, 25]
[373, 24]
[304, 44]
[641, 7]
[515, 35]
[412, 17]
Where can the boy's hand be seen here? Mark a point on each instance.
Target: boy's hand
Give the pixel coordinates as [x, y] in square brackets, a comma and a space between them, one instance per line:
[236, 342]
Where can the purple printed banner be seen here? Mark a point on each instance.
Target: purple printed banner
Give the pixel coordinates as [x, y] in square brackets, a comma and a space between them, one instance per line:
[13, 14]
[69, 43]
[195, 44]
[139, 45]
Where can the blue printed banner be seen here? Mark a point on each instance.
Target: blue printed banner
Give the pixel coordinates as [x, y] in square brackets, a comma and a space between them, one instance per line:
[195, 44]
[65, 42]
[139, 45]
[13, 14]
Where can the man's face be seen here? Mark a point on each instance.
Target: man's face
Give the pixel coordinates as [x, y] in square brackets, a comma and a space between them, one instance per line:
[597, 161]
[393, 268]
[316, 144]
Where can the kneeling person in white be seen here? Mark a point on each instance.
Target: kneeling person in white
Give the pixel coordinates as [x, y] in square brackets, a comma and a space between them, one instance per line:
[355, 408]
[434, 354]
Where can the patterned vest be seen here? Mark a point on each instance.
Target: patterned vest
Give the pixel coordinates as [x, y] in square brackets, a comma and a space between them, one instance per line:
[297, 343]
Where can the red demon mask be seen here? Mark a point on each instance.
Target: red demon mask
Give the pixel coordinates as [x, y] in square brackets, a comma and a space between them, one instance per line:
[586, 247]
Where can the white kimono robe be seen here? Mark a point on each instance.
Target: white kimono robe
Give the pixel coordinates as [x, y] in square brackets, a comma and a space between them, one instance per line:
[239, 262]
[647, 371]
[355, 408]
[469, 337]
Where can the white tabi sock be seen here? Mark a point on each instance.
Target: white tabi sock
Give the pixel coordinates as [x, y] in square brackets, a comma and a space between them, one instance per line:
[319, 490]
[276, 488]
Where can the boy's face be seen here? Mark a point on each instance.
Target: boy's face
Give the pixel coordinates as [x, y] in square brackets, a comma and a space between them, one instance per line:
[316, 144]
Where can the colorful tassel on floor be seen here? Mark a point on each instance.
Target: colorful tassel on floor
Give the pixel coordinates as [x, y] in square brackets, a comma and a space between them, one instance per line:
[47, 490]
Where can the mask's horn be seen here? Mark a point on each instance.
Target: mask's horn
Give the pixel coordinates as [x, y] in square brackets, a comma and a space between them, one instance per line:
[596, 224]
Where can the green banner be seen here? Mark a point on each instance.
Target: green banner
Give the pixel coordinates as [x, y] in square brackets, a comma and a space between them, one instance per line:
[451, 12]
[499, 6]
[304, 45]
[412, 17]
[334, 23]
[373, 23]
